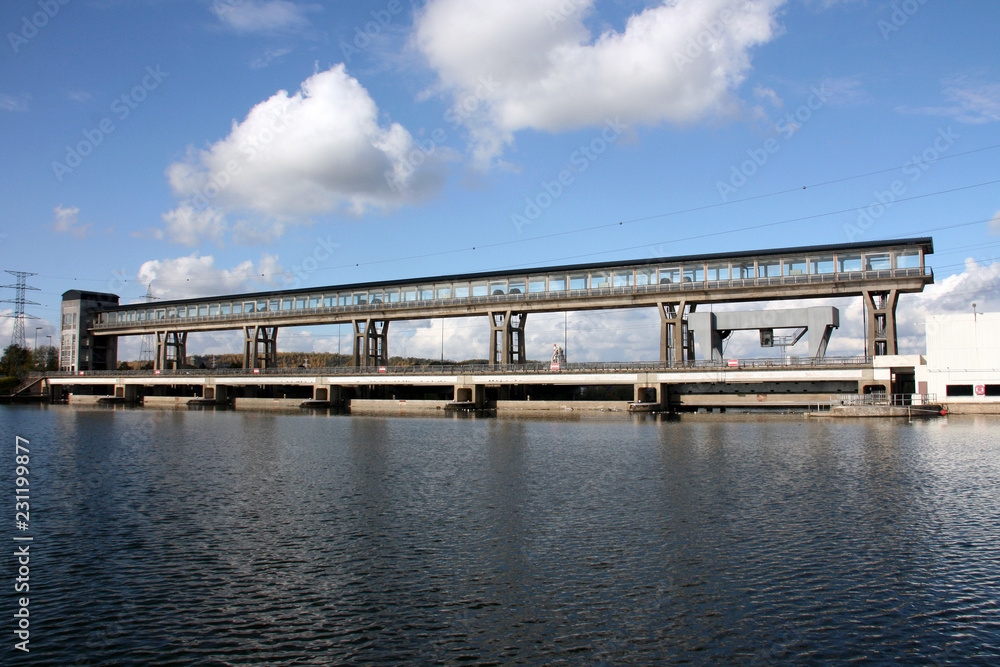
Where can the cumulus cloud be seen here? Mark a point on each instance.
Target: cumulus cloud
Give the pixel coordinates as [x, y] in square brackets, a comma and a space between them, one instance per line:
[197, 275]
[189, 226]
[320, 150]
[523, 64]
[263, 15]
[66, 221]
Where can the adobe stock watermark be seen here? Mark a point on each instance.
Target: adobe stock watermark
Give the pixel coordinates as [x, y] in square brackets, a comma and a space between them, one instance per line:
[119, 280]
[579, 161]
[902, 12]
[740, 174]
[322, 252]
[914, 168]
[31, 25]
[703, 40]
[363, 35]
[563, 11]
[121, 108]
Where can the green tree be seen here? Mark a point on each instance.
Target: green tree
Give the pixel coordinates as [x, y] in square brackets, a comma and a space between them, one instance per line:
[16, 361]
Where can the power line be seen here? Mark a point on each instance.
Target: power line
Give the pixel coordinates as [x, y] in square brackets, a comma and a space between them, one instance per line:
[622, 223]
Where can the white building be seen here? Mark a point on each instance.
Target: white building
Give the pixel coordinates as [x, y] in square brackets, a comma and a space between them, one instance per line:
[963, 362]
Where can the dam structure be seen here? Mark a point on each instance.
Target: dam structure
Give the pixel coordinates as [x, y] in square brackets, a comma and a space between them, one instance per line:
[690, 368]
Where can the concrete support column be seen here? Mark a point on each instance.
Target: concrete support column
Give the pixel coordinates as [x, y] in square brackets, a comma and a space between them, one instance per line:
[371, 342]
[646, 393]
[129, 392]
[327, 392]
[881, 310]
[171, 350]
[507, 338]
[260, 346]
[470, 393]
[676, 341]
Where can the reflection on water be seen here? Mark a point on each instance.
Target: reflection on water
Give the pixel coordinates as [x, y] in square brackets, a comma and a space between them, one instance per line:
[208, 537]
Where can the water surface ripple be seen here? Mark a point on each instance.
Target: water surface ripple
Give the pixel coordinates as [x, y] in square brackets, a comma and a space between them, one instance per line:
[222, 538]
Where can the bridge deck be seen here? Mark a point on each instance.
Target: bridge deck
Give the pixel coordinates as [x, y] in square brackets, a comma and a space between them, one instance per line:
[794, 273]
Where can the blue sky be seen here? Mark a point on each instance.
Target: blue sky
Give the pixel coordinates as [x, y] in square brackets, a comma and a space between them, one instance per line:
[218, 146]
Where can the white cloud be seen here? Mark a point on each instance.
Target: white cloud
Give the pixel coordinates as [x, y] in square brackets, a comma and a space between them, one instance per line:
[197, 275]
[321, 150]
[969, 101]
[189, 226]
[524, 64]
[17, 102]
[263, 15]
[66, 221]
[995, 224]
[767, 94]
[269, 56]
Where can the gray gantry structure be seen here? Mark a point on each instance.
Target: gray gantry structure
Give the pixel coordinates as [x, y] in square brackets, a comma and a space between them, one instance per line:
[877, 271]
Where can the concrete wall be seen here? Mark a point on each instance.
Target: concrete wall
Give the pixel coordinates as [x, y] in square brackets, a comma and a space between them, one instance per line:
[973, 408]
[267, 403]
[165, 401]
[77, 399]
[369, 405]
[557, 406]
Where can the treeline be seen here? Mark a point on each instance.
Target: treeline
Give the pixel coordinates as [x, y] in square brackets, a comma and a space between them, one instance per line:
[18, 361]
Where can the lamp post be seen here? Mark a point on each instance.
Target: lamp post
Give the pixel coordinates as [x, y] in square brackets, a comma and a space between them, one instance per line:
[37, 329]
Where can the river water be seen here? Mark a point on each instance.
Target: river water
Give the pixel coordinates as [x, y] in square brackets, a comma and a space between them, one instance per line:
[224, 538]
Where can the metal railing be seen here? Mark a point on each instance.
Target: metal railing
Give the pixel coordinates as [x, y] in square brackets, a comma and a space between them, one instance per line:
[884, 399]
[482, 369]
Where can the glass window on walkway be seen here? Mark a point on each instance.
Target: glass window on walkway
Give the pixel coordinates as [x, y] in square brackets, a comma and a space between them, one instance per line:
[718, 271]
[848, 262]
[744, 270]
[821, 264]
[796, 266]
[878, 261]
[908, 259]
[669, 274]
[600, 279]
[769, 268]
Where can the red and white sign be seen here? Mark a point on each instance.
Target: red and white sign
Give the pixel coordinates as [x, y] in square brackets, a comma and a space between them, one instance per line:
[381, 369]
[156, 372]
[554, 367]
[734, 363]
[256, 371]
[980, 390]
